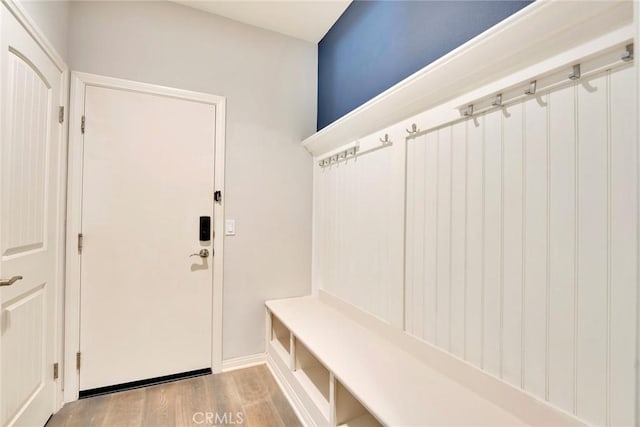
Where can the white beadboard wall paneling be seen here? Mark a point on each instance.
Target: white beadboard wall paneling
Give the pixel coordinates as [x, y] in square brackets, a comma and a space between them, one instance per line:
[415, 244]
[535, 244]
[623, 255]
[513, 238]
[562, 246]
[474, 311]
[521, 243]
[429, 308]
[443, 233]
[359, 228]
[593, 244]
[458, 230]
[492, 250]
[541, 37]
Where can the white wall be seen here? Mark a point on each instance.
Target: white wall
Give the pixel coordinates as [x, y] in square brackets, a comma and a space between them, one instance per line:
[52, 17]
[270, 84]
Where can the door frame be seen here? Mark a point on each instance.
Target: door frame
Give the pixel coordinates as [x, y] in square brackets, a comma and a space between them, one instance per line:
[24, 19]
[79, 83]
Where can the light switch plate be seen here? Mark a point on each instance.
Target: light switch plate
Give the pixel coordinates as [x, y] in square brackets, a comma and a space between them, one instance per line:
[230, 227]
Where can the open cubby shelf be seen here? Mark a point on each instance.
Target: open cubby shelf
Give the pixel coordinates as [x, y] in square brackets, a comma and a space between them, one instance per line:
[313, 377]
[349, 411]
[280, 336]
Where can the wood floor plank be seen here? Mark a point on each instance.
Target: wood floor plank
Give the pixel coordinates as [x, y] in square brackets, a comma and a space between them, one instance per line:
[251, 385]
[224, 393]
[159, 406]
[261, 413]
[191, 400]
[126, 408]
[82, 413]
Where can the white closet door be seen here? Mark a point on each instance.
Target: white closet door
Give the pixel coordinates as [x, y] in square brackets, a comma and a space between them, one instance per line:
[30, 145]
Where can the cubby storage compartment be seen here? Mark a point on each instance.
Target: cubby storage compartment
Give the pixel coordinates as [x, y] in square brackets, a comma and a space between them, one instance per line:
[313, 377]
[350, 412]
[280, 337]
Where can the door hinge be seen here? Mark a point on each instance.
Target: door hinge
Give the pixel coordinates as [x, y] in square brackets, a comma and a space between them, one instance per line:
[217, 196]
[82, 124]
[61, 114]
[78, 359]
[55, 371]
[80, 242]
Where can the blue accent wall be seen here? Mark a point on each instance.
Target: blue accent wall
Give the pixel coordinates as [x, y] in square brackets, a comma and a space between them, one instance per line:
[376, 44]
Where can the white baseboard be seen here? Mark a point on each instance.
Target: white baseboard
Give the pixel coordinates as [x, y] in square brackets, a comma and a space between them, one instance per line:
[243, 362]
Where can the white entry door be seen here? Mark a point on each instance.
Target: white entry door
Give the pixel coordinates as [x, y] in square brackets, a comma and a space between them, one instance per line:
[30, 153]
[146, 294]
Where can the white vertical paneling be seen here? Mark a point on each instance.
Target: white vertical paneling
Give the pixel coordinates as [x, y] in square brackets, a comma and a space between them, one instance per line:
[430, 297]
[592, 250]
[458, 235]
[535, 245]
[415, 229]
[521, 249]
[562, 246]
[473, 314]
[409, 262]
[395, 246]
[492, 249]
[24, 160]
[358, 195]
[513, 233]
[624, 253]
[333, 263]
[324, 232]
[443, 214]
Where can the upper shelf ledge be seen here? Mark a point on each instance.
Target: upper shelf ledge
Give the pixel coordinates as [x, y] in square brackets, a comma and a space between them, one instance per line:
[539, 31]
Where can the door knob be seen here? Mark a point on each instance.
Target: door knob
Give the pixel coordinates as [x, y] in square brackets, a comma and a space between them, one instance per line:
[11, 281]
[204, 253]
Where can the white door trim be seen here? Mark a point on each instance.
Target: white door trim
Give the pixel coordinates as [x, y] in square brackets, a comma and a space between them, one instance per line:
[21, 15]
[79, 82]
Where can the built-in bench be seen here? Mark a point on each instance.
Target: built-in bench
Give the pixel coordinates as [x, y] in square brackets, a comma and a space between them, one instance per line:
[341, 366]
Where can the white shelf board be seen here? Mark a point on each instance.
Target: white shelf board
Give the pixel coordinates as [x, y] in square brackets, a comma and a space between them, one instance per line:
[541, 30]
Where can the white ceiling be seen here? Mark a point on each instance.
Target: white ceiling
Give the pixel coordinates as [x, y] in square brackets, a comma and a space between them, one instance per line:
[303, 19]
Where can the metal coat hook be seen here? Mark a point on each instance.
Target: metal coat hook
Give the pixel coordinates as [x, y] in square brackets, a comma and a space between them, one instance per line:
[628, 55]
[386, 139]
[468, 112]
[414, 129]
[575, 74]
[532, 88]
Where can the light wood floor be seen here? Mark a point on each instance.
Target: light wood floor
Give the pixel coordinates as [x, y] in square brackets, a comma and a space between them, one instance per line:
[249, 395]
